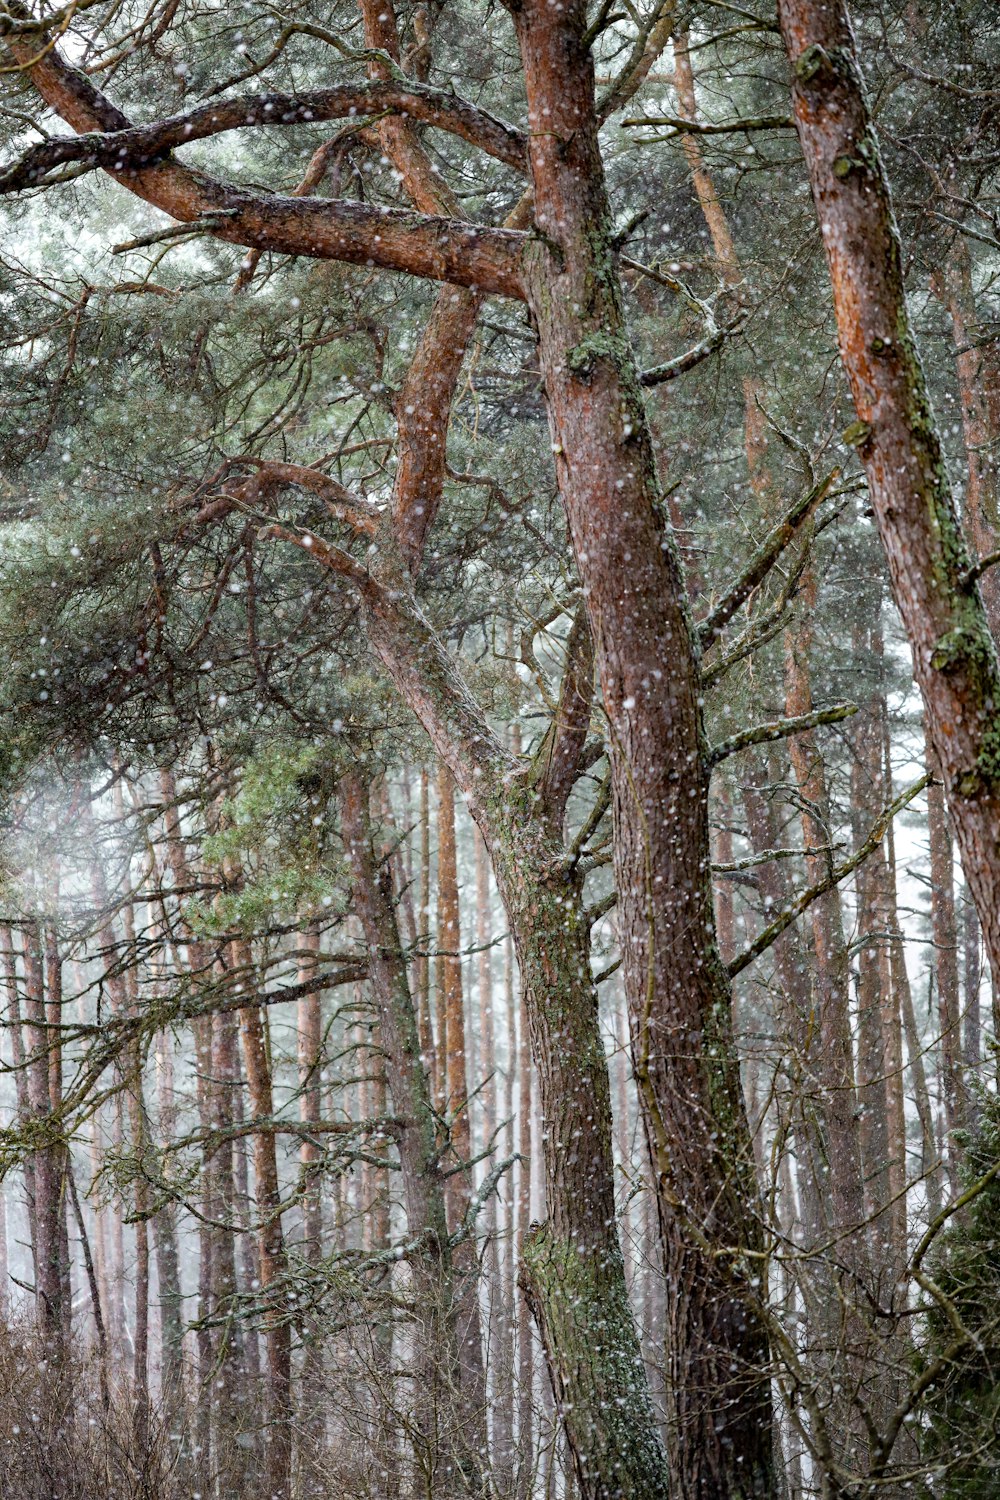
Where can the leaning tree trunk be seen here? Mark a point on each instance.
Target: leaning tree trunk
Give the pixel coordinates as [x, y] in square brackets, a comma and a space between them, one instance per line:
[572, 1266]
[954, 659]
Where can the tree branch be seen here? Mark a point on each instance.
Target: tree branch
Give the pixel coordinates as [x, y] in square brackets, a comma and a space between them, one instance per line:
[557, 762]
[762, 734]
[713, 340]
[767, 554]
[439, 249]
[840, 872]
[139, 145]
[678, 126]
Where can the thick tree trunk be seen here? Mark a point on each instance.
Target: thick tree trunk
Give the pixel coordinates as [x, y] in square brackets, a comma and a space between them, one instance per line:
[954, 659]
[719, 1424]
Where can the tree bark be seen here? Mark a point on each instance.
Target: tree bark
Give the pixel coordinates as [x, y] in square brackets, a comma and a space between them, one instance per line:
[451, 999]
[944, 929]
[834, 1055]
[982, 487]
[435, 1292]
[270, 1235]
[678, 992]
[954, 659]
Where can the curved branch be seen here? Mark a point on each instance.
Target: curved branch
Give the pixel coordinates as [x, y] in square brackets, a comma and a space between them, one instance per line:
[437, 249]
[343, 504]
[139, 145]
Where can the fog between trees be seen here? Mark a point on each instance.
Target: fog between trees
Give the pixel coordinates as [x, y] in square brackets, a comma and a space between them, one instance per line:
[500, 909]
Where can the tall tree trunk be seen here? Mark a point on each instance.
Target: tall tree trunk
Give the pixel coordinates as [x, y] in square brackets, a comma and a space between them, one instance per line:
[422, 963]
[903, 997]
[310, 1064]
[171, 1297]
[451, 998]
[945, 933]
[48, 1160]
[199, 972]
[678, 992]
[834, 1056]
[497, 1336]
[21, 1092]
[954, 659]
[270, 1237]
[435, 1299]
[876, 1063]
[972, 1032]
[982, 487]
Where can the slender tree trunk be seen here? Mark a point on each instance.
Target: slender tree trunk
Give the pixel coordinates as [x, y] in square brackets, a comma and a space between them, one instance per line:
[497, 1325]
[434, 1292]
[945, 933]
[270, 1237]
[310, 1063]
[21, 1093]
[972, 1033]
[930, 1169]
[834, 1056]
[422, 964]
[164, 1223]
[452, 1000]
[199, 973]
[875, 1063]
[982, 489]
[49, 1207]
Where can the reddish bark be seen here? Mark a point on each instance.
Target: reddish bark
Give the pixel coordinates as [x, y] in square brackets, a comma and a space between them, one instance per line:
[954, 660]
[678, 991]
[834, 1057]
[424, 245]
[437, 1302]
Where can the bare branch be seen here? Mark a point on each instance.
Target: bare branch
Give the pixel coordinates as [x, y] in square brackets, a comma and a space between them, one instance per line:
[763, 734]
[773, 931]
[767, 554]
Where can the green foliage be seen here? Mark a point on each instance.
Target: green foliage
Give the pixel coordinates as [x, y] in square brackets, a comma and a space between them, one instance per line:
[276, 830]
